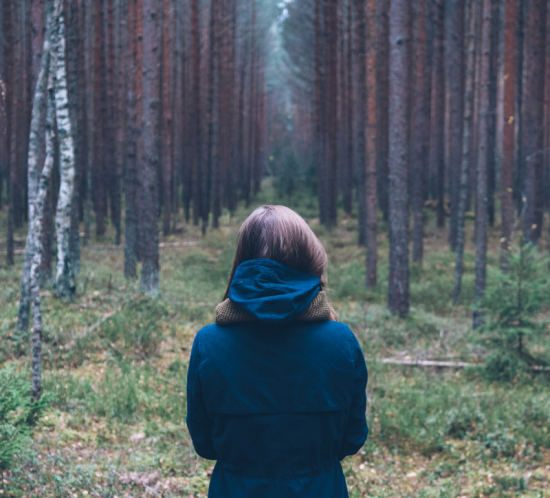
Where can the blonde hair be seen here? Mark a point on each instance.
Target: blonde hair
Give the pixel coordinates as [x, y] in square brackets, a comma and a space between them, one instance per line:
[282, 235]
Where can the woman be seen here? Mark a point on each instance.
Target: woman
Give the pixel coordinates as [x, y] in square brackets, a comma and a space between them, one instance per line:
[276, 388]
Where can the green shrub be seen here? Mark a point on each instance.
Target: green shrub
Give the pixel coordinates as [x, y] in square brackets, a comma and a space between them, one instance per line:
[510, 305]
[18, 415]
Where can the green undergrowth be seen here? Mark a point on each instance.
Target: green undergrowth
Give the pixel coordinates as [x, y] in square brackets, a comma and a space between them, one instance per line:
[115, 365]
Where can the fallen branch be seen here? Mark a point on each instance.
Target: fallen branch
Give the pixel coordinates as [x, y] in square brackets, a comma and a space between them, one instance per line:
[445, 364]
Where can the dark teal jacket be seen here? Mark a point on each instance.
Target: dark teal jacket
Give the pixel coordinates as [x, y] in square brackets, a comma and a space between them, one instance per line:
[277, 402]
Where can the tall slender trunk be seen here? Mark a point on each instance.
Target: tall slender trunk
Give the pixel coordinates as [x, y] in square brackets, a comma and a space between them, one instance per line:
[331, 22]
[382, 117]
[532, 118]
[507, 164]
[371, 176]
[398, 287]
[151, 146]
[420, 128]
[473, 15]
[90, 121]
[454, 56]
[492, 122]
[437, 142]
[361, 38]
[131, 173]
[33, 171]
[481, 174]
[38, 204]
[349, 115]
[167, 123]
[64, 274]
[196, 121]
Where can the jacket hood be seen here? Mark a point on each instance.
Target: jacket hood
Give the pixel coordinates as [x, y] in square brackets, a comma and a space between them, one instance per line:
[271, 291]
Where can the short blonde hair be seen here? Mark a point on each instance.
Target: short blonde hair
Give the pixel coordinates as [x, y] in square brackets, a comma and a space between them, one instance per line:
[280, 234]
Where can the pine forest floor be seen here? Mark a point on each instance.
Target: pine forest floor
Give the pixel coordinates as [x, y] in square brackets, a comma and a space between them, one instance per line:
[115, 362]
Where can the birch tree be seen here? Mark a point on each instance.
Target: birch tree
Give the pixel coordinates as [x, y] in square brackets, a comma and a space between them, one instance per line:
[36, 205]
[37, 120]
[64, 274]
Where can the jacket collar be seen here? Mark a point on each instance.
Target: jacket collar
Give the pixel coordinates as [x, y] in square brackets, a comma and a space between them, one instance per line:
[228, 312]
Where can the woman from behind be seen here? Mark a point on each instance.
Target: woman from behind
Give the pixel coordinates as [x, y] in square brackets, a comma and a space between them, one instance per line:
[276, 387]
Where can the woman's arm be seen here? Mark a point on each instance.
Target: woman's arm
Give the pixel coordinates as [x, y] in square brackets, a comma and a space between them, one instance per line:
[199, 422]
[356, 430]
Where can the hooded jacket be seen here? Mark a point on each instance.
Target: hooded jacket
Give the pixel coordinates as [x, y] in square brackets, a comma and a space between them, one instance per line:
[275, 389]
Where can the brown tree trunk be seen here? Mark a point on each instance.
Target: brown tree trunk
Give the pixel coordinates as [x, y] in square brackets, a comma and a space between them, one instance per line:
[481, 176]
[361, 94]
[420, 127]
[533, 97]
[371, 177]
[382, 85]
[151, 145]
[507, 165]
[331, 22]
[398, 287]
[437, 126]
[167, 125]
[196, 121]
[454, 56]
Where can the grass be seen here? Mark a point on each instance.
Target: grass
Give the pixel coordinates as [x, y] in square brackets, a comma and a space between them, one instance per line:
[116, 363]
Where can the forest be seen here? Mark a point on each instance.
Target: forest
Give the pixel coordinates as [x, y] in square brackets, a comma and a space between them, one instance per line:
[137, 135]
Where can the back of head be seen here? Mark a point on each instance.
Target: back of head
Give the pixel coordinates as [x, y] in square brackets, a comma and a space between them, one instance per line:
[280, 234]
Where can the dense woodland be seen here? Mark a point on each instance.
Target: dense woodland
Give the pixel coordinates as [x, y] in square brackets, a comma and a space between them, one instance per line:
[146, 113]
[137, 135]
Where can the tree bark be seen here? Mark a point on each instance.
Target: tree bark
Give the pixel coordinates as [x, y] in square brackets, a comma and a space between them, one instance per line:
[37, 209]
[361, 93]
[437, 126]
[64, 274]
[454, 56]
[371, 176]
[167, 123]
[37, 121]
[420, 128]
[533, 97]
[507, 165]
[382, 105]
[481, 174]
[196, 122]
[466, 143]
[398, 288]
[151, 146]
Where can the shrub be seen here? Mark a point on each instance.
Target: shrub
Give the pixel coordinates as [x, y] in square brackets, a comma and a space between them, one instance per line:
[18, 415]
[511, 305]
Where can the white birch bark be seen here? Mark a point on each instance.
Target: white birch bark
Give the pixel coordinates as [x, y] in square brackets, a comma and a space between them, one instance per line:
[36, 222]
[38, 109]
[64, 274]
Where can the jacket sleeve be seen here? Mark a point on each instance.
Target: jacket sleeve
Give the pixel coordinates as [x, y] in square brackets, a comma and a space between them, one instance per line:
[199, 422]
[356, 431]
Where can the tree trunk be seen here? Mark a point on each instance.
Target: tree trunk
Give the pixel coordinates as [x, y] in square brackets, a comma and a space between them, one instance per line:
[37, 121]
[454, 56]
[131, 172]
[464, 168]
[196, 121]
[382, 117]
[398, 288]
[151, 146]
[507, 165]
[90, 121]
[361, 39]
[167, 124]
[481, 174]
[437, 126]
[420, 128]
[532, 118]
[64, 274]
[37, 208]
[371, 176]
[331, 22]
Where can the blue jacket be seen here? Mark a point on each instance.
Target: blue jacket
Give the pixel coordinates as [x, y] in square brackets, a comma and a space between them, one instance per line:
[277, 402]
